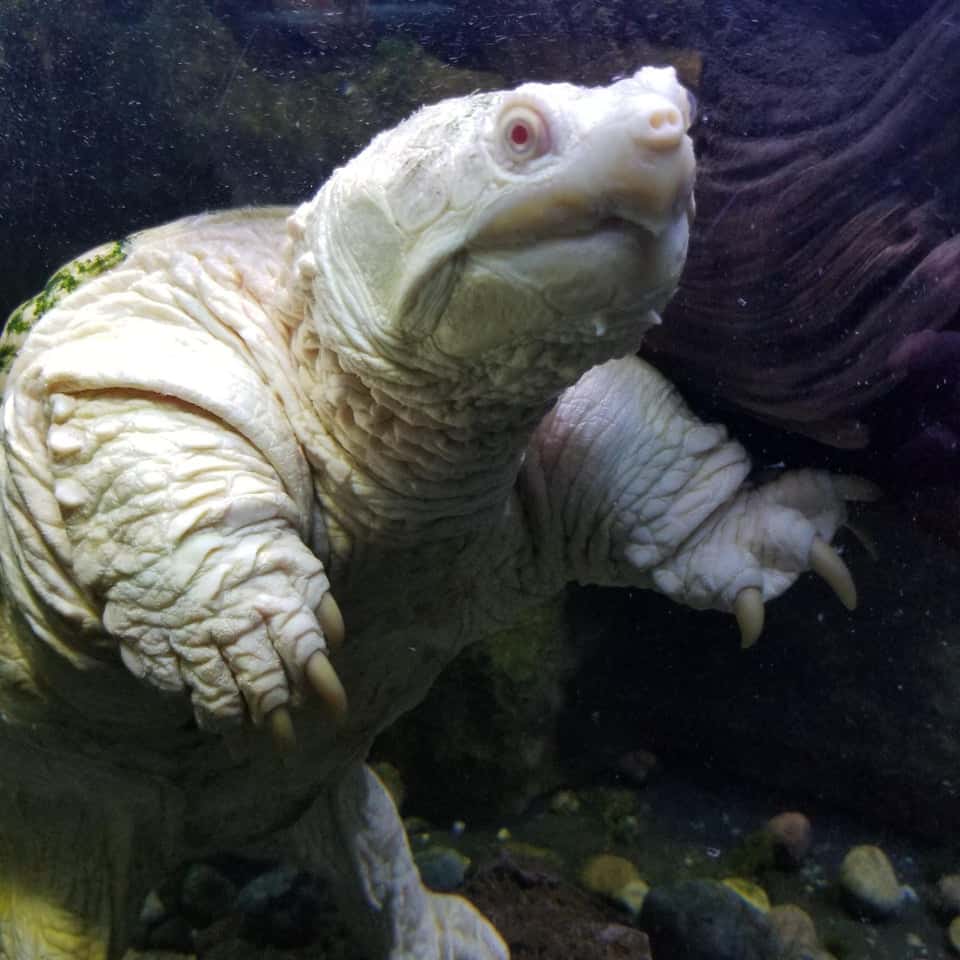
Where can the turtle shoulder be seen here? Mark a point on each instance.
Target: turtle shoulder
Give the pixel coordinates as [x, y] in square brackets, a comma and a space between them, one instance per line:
[70, 277]
[243, 247]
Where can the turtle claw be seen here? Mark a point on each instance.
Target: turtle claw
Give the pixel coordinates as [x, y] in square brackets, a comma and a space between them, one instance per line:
[331, 621]
[748, 609]
[829, 566]
[326, 684]
[281, 729]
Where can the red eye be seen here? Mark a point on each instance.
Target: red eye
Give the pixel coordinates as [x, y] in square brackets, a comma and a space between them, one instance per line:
[523, 132]
[519, 134]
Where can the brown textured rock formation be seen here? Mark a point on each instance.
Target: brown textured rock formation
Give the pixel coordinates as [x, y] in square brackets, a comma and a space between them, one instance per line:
[828, 226]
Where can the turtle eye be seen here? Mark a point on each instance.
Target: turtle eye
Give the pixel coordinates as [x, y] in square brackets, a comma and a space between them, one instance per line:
[523, 133]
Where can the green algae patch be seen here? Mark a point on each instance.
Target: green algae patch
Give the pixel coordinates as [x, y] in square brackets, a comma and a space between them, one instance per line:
[67, 279]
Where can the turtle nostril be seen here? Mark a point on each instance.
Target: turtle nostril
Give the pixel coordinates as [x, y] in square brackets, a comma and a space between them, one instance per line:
[664, 118]
[659, 127]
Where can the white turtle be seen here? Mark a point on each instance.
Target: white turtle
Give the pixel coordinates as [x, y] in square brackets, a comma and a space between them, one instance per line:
[417, 393]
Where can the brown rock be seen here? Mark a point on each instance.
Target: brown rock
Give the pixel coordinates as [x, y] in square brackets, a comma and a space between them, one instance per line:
[795, 929]
[948, 893]
[791, 835]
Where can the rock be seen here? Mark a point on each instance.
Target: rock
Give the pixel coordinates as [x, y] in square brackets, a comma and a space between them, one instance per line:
[617, 879]
[173, 934]
[633, 943]
[790, 836]
[442, 868]
[703, 920]
[953, 934]
[608, 874]
[284, 907]
[752, 892]
[948, 894]
[795, 930]
[869, 883]
[916, 945]
[206, 894]
[565, 803]
[631, 896]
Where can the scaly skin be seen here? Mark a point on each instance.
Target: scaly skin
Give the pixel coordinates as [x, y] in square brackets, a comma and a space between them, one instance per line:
[415, 394]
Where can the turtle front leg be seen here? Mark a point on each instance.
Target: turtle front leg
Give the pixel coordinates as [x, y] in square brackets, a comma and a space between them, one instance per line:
[354, 836]
[627, 487]
[188, 551]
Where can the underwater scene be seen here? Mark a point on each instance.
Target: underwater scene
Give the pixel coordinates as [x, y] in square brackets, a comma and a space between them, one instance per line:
[480, 479]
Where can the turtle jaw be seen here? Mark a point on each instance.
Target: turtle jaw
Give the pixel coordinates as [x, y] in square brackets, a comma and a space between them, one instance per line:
[565, 210]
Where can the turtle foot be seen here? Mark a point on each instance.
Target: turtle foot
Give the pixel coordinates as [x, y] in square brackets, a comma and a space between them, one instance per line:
[756, 546]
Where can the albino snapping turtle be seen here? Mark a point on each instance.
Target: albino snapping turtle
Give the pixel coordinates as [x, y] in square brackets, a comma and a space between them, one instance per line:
[416, 394]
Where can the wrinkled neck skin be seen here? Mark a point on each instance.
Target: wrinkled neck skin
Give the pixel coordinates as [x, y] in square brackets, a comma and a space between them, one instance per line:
[418, 446]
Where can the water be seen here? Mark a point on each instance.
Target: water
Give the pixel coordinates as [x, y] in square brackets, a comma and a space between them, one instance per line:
[816, 317]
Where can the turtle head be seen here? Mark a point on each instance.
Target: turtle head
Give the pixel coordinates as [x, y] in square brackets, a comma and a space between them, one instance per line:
[543, 226]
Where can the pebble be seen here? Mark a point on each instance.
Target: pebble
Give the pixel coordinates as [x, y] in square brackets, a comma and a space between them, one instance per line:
[565, 803]
[416, 827]
[948, 893]
[704, 920]
[628, 941]
[607, 874]
[953, 934]
[870, 885]
[631, 896]
[206, 894]
[790, 835]
[284, 906]
[617, 879]
[751, 892]
[442, 869]
[795, 929]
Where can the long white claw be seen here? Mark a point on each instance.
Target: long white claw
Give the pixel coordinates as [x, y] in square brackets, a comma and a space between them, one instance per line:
[828, 565]
[324, 680]
[748, 609]
[281, 729]
[331, 621]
